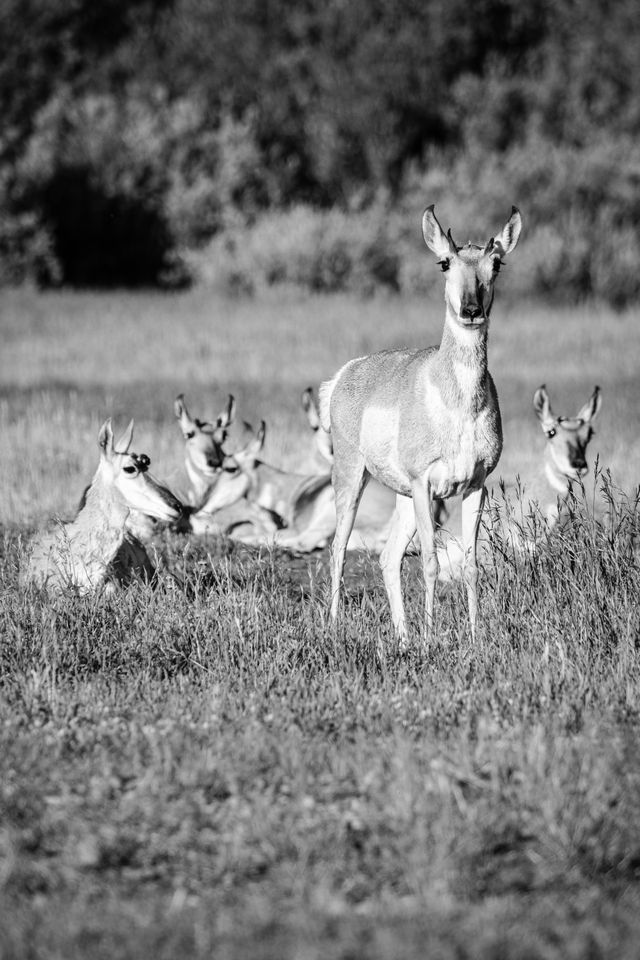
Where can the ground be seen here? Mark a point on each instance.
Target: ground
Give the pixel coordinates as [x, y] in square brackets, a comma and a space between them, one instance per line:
[209, 769]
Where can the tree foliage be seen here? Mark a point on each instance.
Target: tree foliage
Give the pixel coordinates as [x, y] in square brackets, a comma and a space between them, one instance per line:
[183, 119]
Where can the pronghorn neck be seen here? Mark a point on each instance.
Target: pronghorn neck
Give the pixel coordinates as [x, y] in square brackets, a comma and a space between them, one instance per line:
[463, 358]
[99, 528]
[199, 482]
[105, 502]
[558, 480]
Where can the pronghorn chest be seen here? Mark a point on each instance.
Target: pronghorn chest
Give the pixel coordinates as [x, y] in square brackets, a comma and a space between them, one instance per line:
[468, 454]
[199, 482]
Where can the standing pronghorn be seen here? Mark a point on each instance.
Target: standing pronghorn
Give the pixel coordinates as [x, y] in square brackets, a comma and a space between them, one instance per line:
[424, 422]
[566, 446]
[96, 546]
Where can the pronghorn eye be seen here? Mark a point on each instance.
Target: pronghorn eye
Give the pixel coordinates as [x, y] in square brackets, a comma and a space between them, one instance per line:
[497, 263]
[551, 433]
[444, 265]
[129, 469]
[189, 434]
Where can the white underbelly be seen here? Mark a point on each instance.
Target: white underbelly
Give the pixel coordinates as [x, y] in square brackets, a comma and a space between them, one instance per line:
[379, 433]
[452, 478]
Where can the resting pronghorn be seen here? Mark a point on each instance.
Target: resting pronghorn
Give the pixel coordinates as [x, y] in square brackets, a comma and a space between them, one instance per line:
[424, 422]
[290, 509]
[203, 446]
[97, 546]
[566, 446]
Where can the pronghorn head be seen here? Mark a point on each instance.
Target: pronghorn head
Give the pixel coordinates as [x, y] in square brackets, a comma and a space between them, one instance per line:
[238, 474]
[128, 473]
[323, 441]
[203, 439]
[471, 270]
[567, 437]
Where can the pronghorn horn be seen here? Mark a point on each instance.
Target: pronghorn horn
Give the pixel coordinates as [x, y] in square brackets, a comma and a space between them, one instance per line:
[490, 245]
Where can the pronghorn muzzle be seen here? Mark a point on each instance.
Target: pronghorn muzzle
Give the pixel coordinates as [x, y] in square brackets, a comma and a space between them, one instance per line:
[471, 312]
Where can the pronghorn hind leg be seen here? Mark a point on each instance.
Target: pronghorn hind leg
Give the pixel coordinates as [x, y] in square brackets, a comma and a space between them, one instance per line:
[472, 504]
[403, 527]
[424, 510]
[349, 478]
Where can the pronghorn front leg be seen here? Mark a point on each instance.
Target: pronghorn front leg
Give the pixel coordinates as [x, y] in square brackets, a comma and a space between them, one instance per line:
[472, 504]
[423, 506]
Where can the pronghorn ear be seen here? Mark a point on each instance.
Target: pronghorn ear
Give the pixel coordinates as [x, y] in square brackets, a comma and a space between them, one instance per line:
[123, 444]
[105, 438]
[506, 241]
[542, 407]
[310, 408]
[179, 406]
[434, 236]
[591, 409]
[227, 416]
[182, 414]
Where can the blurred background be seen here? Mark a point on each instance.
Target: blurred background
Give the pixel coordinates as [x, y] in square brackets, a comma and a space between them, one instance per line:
[250, 143]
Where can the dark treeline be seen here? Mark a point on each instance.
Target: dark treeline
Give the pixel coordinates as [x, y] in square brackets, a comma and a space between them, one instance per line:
[137, 132]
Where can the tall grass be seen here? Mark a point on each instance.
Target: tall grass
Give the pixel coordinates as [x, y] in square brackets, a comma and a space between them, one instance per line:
[208, 769]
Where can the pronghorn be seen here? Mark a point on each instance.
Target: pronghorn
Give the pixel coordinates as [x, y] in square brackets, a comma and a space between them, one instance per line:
[203, 446]
[424, 422]
[566, 446]
[96, 546]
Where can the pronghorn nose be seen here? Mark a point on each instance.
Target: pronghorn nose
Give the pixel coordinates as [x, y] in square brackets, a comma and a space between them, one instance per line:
[469, 311]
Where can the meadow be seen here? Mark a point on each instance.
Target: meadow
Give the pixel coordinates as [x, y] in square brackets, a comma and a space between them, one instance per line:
[210, 769]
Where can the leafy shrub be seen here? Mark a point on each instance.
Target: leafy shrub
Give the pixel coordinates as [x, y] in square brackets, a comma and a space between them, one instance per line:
[318, 250]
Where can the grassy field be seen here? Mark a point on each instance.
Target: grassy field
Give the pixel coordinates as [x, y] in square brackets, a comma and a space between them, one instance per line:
[210, 770]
